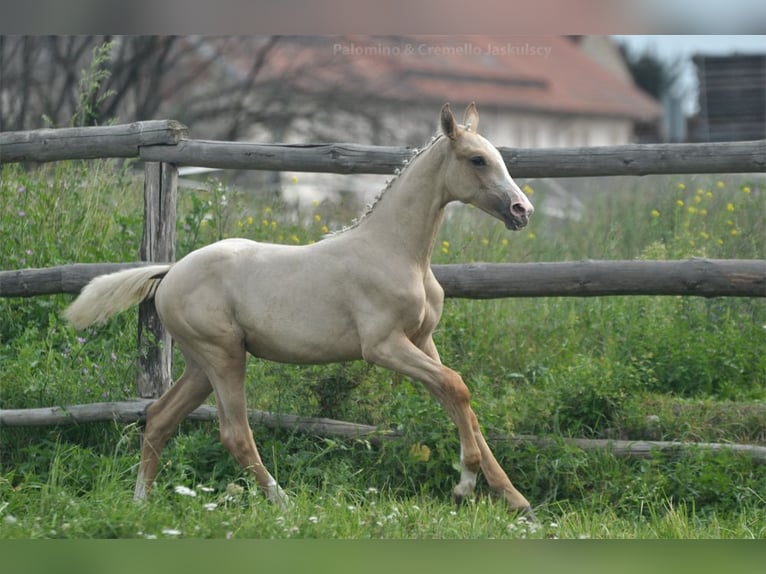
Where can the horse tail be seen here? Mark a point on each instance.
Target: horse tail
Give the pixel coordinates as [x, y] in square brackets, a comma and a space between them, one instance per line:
[107, 295]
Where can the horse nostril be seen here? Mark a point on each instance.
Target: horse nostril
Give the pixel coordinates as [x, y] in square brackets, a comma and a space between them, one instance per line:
[519, 210]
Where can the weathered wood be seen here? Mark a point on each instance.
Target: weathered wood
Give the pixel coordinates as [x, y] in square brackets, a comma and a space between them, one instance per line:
[133, 411]
[89, 142]
[53, 280]
[635, 159]
[640, 448]
[158, 244]
[700, 277]
[638, 159]
[329, 157]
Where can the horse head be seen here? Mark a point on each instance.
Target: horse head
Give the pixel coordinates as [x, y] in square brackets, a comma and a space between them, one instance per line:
[477, 174]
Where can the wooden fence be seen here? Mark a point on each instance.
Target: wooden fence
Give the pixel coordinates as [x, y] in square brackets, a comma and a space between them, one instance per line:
[163, 146]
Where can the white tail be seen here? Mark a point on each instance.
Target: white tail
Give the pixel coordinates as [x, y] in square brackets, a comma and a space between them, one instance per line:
[107, 295]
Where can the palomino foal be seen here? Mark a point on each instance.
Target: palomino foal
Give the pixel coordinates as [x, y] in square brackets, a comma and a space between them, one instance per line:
[367, 292]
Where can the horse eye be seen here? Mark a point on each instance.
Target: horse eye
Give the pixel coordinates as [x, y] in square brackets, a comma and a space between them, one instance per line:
[478, 161]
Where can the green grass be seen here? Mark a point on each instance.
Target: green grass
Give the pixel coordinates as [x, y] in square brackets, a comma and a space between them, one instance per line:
[662, 368]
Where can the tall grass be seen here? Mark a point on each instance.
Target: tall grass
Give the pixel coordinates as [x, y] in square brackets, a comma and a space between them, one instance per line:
[629, 367]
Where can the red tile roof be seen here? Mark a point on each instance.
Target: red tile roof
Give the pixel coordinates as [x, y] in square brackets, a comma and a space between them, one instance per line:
[549, 74]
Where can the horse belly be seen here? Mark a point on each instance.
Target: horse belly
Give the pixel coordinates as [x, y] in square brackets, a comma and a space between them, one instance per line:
[298, 321]
[303, 339]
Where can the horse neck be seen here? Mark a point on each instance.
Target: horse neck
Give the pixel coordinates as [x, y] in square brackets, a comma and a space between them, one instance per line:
[406, 218]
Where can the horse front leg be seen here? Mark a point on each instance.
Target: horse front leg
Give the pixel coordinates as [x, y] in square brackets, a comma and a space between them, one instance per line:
[400, 354]
[421, 361]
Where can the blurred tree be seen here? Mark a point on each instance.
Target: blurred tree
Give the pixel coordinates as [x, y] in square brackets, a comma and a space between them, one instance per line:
[655, 76]
[222, 87]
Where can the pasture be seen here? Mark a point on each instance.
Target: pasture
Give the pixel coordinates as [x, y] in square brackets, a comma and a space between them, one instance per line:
[662, 368]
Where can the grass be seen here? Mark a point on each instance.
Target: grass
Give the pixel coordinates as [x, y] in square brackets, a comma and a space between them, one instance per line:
[670, 368]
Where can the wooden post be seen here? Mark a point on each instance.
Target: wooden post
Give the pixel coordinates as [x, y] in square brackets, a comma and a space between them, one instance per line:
[158, 244]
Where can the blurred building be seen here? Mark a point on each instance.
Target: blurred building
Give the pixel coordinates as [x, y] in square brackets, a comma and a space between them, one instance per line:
[531, 91]
[732, 98]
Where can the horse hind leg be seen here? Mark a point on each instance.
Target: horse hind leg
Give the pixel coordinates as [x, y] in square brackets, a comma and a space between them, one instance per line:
[228, 379]
[162, 419]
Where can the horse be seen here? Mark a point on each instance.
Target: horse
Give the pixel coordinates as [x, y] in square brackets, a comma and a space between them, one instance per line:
[366, 292]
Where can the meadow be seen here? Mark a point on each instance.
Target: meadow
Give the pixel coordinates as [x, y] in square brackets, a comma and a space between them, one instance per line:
[661, 368]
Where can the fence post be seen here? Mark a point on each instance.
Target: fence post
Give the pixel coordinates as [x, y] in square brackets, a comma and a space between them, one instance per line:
[158, 244]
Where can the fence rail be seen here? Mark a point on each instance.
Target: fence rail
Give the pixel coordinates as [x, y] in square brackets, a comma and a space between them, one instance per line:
[701, 277]
[165, 141]
[135, 411]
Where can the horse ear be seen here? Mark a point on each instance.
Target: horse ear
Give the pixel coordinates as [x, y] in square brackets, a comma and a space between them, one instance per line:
[449, 125]
[471, 118]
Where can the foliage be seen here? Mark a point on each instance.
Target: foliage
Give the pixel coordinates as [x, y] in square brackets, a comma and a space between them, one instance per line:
[670, 368]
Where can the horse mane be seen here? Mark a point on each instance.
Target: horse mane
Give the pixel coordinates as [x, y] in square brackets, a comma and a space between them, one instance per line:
[417, 152]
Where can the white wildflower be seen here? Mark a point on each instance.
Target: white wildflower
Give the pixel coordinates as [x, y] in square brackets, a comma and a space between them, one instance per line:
[313, 519]
[210, 506]
[171, 532]
[185, 491]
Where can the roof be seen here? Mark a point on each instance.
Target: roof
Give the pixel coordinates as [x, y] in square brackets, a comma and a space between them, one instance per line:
[545, 74]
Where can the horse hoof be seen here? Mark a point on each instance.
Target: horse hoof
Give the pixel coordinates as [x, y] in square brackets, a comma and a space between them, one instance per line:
[527, 514]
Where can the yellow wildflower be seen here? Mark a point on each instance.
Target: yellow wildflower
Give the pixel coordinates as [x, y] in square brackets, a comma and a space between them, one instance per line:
[734, 232]
[420, 452]
[703, 211]
[267, 210]
[294, 238]
[729, 206]
[704, 235]
[484, 241]
[680, 202]
[504, 241]
[273, 224]
[294, 179]
[531, 235]
[250, 220]
[720, 184]
[746, 189]
[719, 241]
[325, 229]
[681, 186]
[709, 194]
[655, 213]
[691, 209]
[528, 189]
